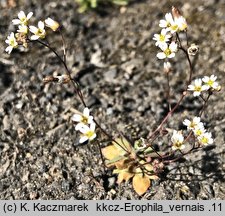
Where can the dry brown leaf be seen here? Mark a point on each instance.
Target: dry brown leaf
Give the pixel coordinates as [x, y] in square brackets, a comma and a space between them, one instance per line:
[141, 184]
[124, 175]
[110, 152]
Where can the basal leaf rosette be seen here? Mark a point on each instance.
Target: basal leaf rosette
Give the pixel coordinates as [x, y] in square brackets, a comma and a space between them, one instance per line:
[122, 155]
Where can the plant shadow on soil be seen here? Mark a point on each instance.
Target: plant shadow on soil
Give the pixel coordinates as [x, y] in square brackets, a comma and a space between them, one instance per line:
[208, 167]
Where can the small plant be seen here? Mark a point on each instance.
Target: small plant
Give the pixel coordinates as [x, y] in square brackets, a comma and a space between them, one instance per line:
[85, 5]
[137, 160]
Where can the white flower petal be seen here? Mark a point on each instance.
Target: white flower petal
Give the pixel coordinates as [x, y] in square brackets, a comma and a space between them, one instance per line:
[169, 18]
[90, 120]
[86, 112]
[41, 25]
[76, 118]
[83, 139]
[196, 94]
[173, 47]
[84, 129]
[172, 55]
[21, 15]
[162, 45]
[16, 21]
[33, 29]
[92, 127]
[29, 15]
[198, 82]
[161, 55]
[164, 31]
[162, 23]
[93, 136]
[9, 49]
[205, 79]
[34, 37]
[79, 126]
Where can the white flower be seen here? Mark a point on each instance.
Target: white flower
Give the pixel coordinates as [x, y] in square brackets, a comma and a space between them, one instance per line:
[210, 82]
[177, 140]
[82, 119]
[169, 23]
[199, 130]
[168, 52]
[197, 87]
[181, 23]
[23, 19]
[205, 139]
[161, 38]
[23, 29]
[167, 67]
[38, 32]
[11, 41]
[52, 24]
[88, 133]
[195, 123]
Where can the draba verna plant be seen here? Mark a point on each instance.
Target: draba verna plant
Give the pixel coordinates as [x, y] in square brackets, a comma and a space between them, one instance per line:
[135, 160]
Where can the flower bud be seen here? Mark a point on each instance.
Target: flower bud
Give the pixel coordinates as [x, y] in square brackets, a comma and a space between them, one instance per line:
[176, 13]
[167, 67]
[218, 88]
[52, 24]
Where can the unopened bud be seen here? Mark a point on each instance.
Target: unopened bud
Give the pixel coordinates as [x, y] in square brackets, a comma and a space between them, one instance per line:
[21, 39]
[218, 88]
[193, 49]
[176, 13]
[167, 67]
[52, 24]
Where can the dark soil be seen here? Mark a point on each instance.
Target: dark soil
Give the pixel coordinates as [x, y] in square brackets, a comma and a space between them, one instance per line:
[112, 55]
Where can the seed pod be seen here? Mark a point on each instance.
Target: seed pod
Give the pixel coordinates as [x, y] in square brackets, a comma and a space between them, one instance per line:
[193, 49]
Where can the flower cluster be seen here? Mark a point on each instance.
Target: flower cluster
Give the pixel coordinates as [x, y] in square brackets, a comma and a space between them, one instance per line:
[206, 83]
[197, 127]
[22, 35]
[172, 24]
[85, 124]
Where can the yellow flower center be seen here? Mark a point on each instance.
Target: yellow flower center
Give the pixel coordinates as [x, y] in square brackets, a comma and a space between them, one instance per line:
[198, 132]
[162, 37]
[89, 134]
[167, 52]
[84, 120]
[174, 27]
[13, 42]
[177, 144]
[24, 21]
[41, 33]
[204, 140]
[198, 88]
[210, 82]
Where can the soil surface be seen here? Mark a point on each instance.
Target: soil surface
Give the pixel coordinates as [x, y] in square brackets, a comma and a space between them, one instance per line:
[112, 55]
